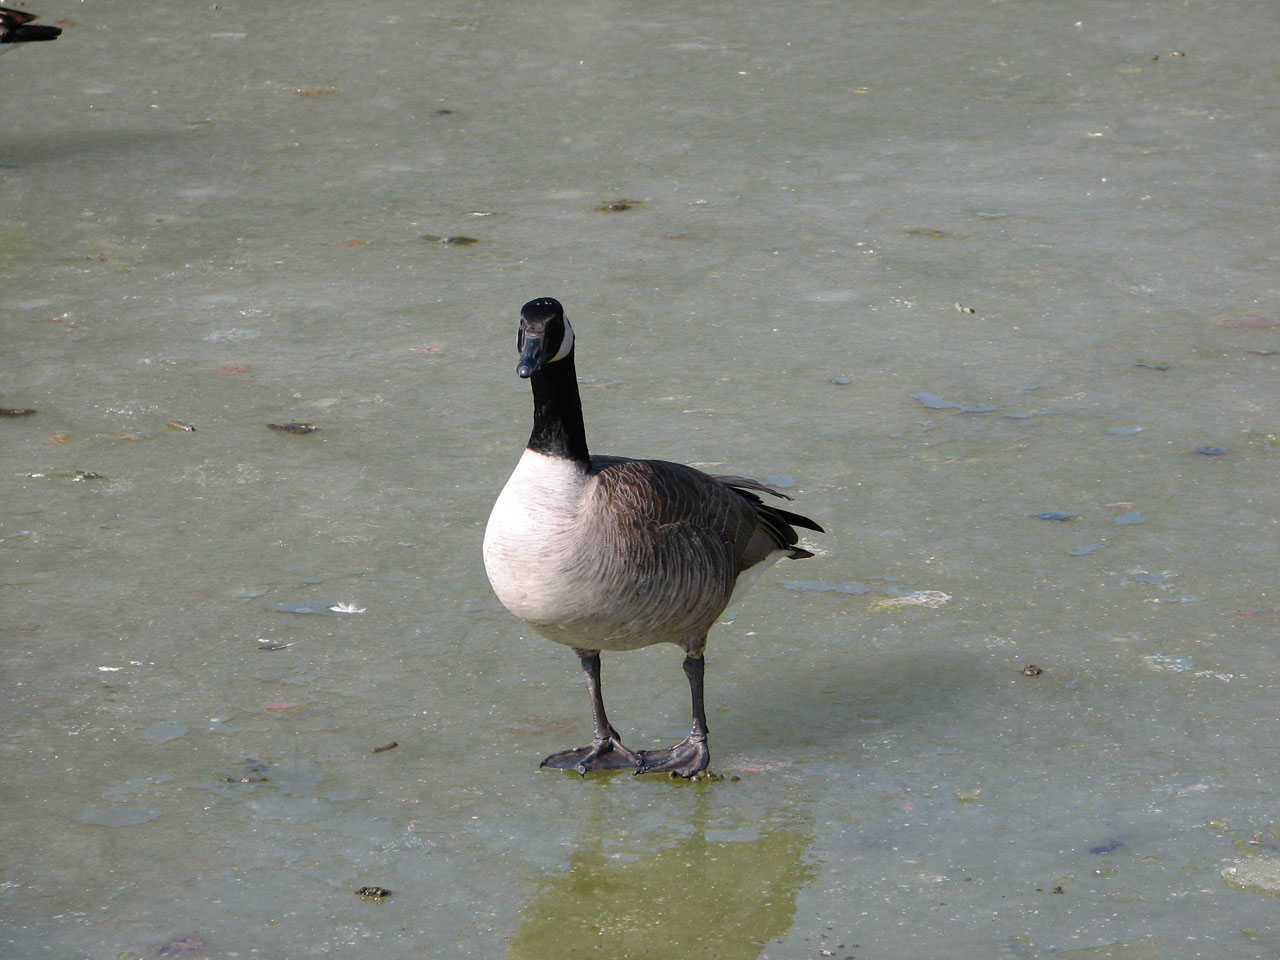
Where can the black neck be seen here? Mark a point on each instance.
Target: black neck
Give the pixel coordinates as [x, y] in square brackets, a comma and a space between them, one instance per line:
[557, 413]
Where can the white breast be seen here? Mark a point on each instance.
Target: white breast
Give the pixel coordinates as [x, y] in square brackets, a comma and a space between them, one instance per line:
[529, 535]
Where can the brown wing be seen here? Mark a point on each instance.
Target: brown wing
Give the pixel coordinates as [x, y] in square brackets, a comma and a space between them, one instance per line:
[670, 542]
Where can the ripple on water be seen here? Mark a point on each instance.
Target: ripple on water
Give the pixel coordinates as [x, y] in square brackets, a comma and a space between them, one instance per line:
[124, 816]
[852, 586]
[163, 732]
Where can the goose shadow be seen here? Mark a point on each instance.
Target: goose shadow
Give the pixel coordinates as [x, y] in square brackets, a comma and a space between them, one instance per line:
[796, 709]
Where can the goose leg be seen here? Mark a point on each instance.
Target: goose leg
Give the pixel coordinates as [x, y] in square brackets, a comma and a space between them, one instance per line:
[691, 755]
[606, 751]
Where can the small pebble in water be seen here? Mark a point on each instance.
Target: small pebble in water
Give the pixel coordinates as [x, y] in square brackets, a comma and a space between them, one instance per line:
[1031, 670]
[615, 206]
[374, 893]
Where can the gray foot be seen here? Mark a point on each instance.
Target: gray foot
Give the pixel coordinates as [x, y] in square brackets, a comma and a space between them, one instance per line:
[686, 758]
[607, 754]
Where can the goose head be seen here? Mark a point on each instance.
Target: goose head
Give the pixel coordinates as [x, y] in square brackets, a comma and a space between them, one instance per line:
[545, 335]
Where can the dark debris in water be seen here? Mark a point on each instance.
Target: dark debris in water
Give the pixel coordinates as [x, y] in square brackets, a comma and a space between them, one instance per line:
[16, 411]
[293, 427]
[1109, 846]
[1212, 451]
[374, 893]
[254, 771]
[75, 476]
[175, 948]
[1031, 670]
[1143, 365]
[615, 206]
[932, 233]
[1259, 611]
[1054, 515]
[451, 241]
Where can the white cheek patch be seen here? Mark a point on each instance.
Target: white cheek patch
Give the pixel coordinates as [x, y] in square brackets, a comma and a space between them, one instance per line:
[566, 344]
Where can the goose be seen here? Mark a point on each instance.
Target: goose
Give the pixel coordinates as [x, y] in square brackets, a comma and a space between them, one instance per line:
[16, 27]
[610, 553]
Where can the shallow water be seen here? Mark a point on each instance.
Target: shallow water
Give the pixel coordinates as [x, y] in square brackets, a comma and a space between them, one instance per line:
[215, 216]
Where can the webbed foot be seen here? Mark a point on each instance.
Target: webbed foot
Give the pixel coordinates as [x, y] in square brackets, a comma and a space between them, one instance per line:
[606, 754]
[686, 758]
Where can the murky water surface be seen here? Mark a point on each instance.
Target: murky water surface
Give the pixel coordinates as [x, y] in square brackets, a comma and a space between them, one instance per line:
[974, 281]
